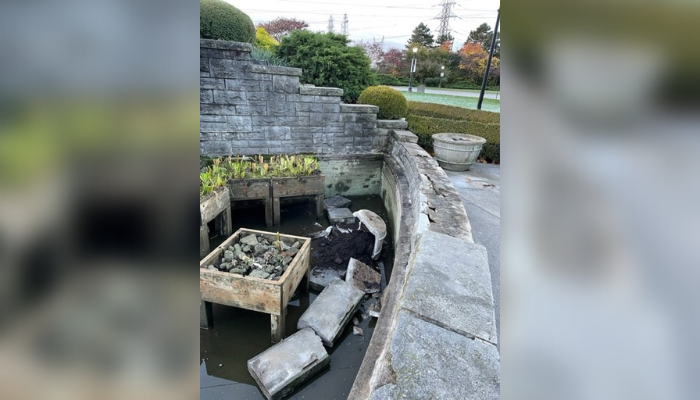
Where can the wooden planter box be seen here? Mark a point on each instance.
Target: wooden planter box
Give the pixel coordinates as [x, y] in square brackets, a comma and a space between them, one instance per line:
[213, 204]
[253, 189]
[255, 294]
[216, 205]
[299, 186]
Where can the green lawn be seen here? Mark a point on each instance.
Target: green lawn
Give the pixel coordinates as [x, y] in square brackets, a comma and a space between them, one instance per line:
[456, 101]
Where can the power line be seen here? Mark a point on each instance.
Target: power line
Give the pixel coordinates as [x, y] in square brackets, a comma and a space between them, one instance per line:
[445, 16]
[344, 26]
[357, 5]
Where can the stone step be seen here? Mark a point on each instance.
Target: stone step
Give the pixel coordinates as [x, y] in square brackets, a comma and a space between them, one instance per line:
[332, 310]
[340, 216]
[288, 364]
[363, 277]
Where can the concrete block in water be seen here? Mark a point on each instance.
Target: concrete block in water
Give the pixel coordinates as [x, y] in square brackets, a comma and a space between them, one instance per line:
[288, 364]
[363, 277]
[322, 277]
[340, 215]
[332, 310]
[337, 202]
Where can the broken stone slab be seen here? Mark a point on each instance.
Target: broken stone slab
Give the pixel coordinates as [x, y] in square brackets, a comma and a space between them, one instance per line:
[321, 277]
[340, 216]
[375, 309]
[376, 225]
[337, 202]
[363, 277]
[288, 364]
[332, 310]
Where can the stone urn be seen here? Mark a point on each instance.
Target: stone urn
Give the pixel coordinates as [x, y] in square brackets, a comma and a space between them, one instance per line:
[457, 151]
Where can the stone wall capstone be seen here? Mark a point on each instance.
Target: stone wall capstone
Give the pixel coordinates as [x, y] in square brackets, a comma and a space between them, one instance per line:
[248, 107]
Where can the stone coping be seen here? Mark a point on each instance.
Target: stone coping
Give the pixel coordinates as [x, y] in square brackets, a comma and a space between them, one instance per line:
[320, 91]
[225, 45]
[359, 108]
[274, 70]
[440, 292]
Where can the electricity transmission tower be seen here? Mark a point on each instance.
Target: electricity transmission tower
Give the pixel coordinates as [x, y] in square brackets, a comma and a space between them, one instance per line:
[344, 26]
[330, 24]
[444, 17]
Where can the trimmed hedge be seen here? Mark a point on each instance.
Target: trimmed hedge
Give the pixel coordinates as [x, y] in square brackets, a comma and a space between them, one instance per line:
[427, 119]
[450, 112]
[392, 104]
[221, 21]
[391, 80]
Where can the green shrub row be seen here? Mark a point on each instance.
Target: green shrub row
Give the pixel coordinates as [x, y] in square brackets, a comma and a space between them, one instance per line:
[425, 127]
[450, 112]
[391, 80]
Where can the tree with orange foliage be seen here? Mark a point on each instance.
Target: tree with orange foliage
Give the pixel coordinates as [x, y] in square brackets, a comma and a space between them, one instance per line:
[474, 59]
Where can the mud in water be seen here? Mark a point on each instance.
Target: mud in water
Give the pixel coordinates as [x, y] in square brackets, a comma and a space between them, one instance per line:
[335, 251]
[239, 335]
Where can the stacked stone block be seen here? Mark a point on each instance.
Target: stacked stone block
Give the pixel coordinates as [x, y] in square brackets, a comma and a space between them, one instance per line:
[247, 107]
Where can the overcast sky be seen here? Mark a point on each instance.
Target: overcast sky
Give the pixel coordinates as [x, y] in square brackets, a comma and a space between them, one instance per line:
[367, 19]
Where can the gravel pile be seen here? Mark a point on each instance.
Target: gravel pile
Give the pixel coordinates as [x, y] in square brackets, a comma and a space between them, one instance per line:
[257, 257]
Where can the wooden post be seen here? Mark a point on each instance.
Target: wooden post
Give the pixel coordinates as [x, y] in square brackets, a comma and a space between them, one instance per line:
[203, 240]
[268, 212]
[206, 315]
[319, 206]
[276, 210]
[277, 326]
[223, 223]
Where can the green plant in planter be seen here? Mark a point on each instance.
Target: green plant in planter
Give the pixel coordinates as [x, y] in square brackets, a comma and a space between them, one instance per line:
[213, 177]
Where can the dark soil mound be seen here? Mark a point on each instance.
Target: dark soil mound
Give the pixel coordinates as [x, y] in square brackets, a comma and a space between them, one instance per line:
[325, 252]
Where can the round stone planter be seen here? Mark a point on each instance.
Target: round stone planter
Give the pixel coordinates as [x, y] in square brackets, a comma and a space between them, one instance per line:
[457, 151]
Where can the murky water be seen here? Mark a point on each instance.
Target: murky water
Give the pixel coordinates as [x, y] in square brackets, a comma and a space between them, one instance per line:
[239, 335]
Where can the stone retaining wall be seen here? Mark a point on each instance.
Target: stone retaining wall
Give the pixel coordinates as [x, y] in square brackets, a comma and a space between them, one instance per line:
[436, 335]
[247, 107]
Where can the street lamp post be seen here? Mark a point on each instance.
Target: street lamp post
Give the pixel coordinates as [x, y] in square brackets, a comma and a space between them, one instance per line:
[413, 69]
[442, 75]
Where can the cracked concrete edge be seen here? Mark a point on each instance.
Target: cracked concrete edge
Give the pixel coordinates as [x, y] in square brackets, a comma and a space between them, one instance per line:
[418, 168]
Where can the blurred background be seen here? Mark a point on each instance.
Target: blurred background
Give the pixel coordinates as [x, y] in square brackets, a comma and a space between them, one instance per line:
[600, 158]
[98, 114]
[600, 142]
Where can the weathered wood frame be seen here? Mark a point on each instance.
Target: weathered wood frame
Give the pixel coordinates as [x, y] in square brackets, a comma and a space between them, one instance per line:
[297, 186]
[215, 206]
[253, 189]
[262, 295]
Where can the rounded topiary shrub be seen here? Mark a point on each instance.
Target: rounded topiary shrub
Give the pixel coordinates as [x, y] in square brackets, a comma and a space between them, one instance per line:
[392, 104]
[222, 21]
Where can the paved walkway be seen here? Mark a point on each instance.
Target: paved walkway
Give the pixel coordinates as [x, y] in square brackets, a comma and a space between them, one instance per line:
[462, 93]
[480, 190]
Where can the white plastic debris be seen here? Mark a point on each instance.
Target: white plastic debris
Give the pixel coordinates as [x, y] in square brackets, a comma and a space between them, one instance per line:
[376, 226]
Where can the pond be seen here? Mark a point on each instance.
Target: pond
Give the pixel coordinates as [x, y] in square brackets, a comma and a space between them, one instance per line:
[239, 335]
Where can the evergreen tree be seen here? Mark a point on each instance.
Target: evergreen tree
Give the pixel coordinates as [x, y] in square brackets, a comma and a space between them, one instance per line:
[444, 38]
[484, 35]
[422, 36]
